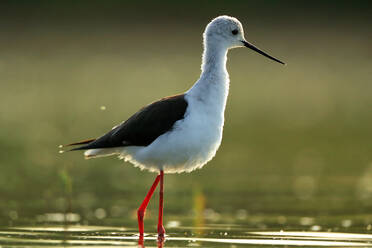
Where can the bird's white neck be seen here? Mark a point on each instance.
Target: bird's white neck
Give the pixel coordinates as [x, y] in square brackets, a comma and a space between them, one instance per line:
[213, 84]
[214, 61]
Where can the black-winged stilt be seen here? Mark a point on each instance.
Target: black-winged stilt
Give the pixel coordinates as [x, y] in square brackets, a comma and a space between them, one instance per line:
[180, 133]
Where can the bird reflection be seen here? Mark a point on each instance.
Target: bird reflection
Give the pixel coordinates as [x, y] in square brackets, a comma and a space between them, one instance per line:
[160, 241]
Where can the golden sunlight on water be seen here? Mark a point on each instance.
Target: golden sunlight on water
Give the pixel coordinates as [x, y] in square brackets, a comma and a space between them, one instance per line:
[87, 236]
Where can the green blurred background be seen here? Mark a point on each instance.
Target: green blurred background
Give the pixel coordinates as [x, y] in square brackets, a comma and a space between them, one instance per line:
[297, 139]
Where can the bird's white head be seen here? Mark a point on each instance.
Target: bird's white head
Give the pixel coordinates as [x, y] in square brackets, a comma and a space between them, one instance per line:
[226, 32]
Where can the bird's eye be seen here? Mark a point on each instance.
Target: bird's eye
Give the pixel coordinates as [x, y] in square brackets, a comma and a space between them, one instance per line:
[235, 32]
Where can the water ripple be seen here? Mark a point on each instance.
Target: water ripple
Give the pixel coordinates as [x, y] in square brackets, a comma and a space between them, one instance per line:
[88, 236]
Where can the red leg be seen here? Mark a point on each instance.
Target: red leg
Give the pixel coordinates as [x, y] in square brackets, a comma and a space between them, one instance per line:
[141, 210]
[161, 230]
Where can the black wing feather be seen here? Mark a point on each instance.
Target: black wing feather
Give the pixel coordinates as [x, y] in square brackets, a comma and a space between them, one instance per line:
[145, 126]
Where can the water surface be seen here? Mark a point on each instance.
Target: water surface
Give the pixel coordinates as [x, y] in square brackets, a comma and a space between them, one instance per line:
[210, 236]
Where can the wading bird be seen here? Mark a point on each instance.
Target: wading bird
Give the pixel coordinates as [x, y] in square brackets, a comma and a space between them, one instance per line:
[179, 133]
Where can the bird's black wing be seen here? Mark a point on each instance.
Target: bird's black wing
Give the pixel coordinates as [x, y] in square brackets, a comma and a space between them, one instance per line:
[144, 126]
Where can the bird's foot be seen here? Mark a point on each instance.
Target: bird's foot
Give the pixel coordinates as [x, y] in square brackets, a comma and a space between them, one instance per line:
[161, 231]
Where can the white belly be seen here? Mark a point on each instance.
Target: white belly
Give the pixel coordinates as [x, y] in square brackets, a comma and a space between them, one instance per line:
[192, 142]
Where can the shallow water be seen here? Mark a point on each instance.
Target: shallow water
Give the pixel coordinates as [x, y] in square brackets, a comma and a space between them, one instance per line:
[198, 231]
[208, 236]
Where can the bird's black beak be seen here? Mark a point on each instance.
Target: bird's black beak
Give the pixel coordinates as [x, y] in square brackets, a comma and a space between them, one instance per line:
[254, 48]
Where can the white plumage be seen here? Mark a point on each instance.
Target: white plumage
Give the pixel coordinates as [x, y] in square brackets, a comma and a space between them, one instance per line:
[193, 140]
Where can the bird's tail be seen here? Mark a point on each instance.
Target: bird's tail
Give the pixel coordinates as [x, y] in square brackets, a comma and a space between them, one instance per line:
[84, 142]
